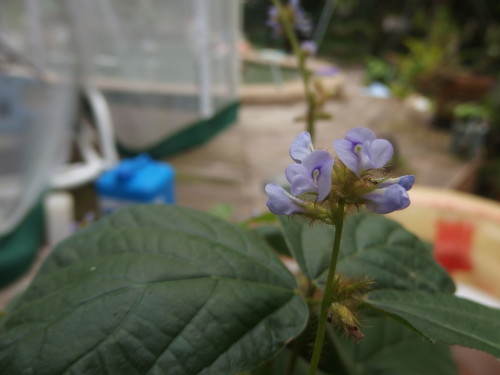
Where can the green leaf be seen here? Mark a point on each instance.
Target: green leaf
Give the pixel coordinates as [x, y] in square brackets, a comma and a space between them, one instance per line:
[389, 349]
[378, 248]
[310, 244]
[273, 236]
[264, 218]
[222, 211]
[443, 317]
[279, 365]
[156, 290]
[372, 246]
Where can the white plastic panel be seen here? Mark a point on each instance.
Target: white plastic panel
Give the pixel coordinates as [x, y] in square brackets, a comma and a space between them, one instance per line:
[36, 101]
[162, 64]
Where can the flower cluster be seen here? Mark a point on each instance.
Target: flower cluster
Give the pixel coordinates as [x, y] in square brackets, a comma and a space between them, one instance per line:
[299, 19]
[355, 177]
[309, 47]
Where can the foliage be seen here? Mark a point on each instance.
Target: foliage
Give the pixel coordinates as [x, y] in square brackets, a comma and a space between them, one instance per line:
[378, 70]
[158, 290]
[162, 289]
[429, 57]
[471, 111]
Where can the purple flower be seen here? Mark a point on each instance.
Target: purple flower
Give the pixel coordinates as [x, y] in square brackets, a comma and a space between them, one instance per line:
[405, 181]
[309, 47]
[301, 147]
[327, 71]
[313, 175]
[385, 200]
[360, 150]
[280, 202]
[273, 21]
[301, 22]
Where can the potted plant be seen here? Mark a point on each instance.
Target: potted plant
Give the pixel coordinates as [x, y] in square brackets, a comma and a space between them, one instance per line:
[432, 66]
[469, 129]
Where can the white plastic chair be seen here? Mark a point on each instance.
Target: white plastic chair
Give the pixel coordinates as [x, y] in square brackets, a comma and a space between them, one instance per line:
[96, 145]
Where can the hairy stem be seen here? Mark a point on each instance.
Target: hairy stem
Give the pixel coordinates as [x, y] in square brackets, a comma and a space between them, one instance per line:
[291, 35]
[338, 219]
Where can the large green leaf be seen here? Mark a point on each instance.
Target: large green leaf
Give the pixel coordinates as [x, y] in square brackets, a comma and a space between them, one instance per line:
[280, 365]
[310, 244]
[273, 236]
[381, 249]
[156, 290]
[390, 348]
[443, 317]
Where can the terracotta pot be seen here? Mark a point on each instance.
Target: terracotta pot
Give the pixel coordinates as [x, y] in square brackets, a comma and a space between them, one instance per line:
[458, 88]
[473, 223]
[475, 362]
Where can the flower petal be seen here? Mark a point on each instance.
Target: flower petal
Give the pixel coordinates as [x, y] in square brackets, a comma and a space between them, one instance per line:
[281, 202]
[309, 47]
[346, 154]
[385, 200]
[301, 147]
[325, 179]
[319, 166]
[379, 151]
[405, 181]
[316, 159]
[293, 170]
[302, 184]
[360, 135]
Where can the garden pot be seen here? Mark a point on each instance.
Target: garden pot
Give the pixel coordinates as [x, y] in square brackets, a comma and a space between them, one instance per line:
[465, 232]
[434, 212]
[459, 88]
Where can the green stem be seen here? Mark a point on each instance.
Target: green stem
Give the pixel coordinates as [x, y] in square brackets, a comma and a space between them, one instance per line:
[338, 219]
[304, 73]
[290, 368]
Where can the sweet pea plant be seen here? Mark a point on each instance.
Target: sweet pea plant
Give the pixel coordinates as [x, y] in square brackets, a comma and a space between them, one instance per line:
[157, 289]
[330, 188]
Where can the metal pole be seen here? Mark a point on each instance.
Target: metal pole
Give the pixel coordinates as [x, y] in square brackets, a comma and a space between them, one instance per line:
[324, 21]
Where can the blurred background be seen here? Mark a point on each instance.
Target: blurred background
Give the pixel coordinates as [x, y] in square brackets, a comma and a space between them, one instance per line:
[105, 103]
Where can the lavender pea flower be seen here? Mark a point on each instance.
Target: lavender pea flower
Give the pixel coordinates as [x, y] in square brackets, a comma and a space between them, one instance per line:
[360, 150]
[388, 199]
[273, 21]
[327, 71]
[280, 202]
[301, 147]
[405, 181]
[309, 47]
[313, 175]
[300, 20]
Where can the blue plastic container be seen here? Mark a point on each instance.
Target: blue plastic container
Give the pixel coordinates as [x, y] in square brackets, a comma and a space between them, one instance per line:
[136, 181]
